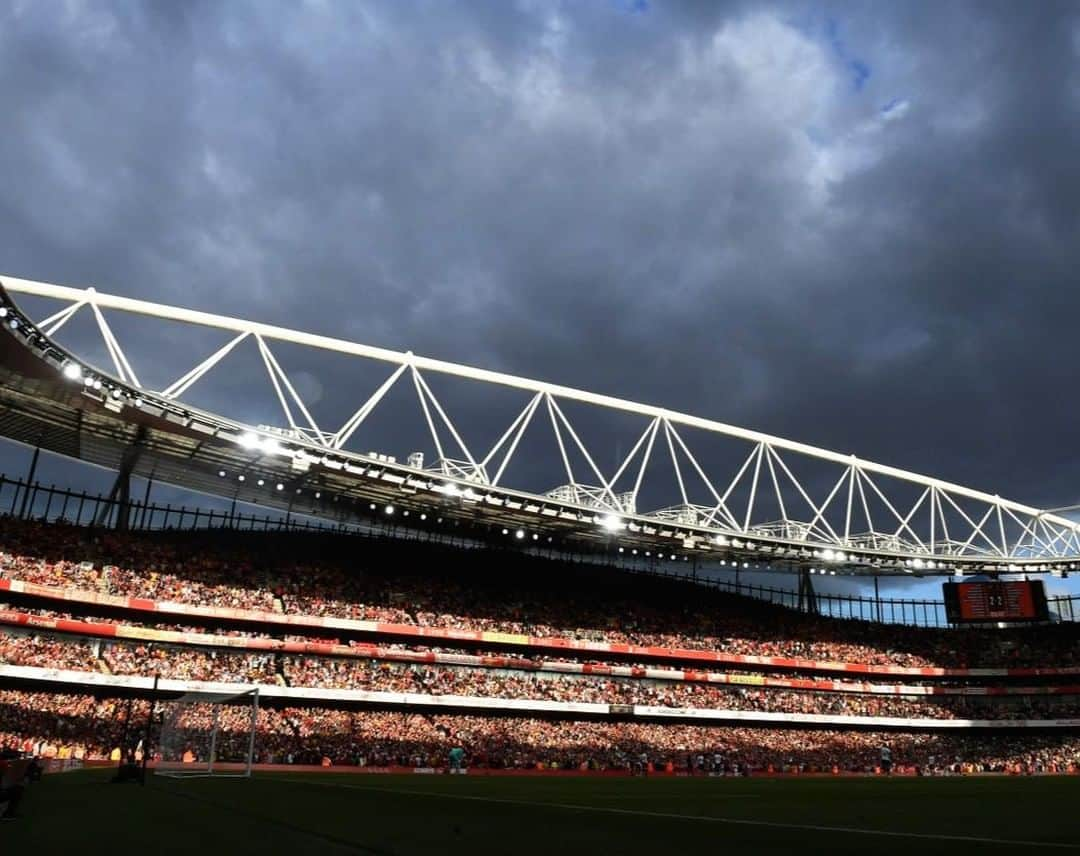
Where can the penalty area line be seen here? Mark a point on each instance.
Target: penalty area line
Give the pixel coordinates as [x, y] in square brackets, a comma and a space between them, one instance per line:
[728, 821]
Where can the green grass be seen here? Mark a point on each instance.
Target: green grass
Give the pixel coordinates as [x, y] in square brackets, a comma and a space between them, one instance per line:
[83, 814]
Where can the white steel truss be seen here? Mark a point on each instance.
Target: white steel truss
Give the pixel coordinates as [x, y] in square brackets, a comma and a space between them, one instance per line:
[846, 504]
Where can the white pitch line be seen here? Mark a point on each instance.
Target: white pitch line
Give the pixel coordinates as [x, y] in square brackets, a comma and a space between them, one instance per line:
[733, 821]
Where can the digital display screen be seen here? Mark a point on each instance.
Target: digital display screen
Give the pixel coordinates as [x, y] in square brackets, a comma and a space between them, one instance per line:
[992, 600]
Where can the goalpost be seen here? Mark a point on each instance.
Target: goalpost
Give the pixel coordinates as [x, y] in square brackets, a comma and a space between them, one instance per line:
[208, 735]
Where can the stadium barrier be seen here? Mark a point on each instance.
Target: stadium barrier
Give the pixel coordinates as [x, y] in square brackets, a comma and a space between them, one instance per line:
[95, 681]
[257, 644]
[423, 635]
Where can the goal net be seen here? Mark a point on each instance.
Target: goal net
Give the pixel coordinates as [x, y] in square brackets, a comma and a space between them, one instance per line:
[207, 735]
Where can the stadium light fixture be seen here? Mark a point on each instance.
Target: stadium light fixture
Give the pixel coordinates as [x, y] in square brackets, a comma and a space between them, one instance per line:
[389, 509]
[3, 311]
[221, 473]
[240, 477]
[261, 482]
[611, 523]
[72, 371]
[280, 486]
[519, 534]
[423, 516]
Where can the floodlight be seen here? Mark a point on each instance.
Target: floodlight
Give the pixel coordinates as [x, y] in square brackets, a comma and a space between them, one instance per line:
[611, 523]
[88, 381]
[3, 311]
[240, 477]
[72, 371]
[221, 473]
[451, 489]
[389, 509]
[519, 534]
[261, 482]
[280, 486]
[249, 440]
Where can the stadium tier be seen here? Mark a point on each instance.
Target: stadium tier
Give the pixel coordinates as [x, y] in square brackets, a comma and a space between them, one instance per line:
[83, 726]
[392, 650]
[363, 588]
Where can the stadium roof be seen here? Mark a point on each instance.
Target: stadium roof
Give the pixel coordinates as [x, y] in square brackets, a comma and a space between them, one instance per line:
[850, 513]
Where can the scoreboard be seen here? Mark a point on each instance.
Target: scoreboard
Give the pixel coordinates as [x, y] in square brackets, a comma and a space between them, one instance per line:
[993, 600]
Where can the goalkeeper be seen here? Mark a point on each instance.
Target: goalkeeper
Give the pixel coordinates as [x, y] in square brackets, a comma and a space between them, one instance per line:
[457, 760]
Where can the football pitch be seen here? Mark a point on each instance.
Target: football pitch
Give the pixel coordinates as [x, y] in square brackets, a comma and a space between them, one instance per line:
[81, 812]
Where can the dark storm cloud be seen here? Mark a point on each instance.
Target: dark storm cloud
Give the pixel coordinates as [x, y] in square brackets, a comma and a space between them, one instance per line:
[852, 225]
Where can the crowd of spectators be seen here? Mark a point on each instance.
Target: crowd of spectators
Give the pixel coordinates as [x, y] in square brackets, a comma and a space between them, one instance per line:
[20, 649]
[433, 586]
[82, 726]
[498, 683]
[190, 664]
[227, 666]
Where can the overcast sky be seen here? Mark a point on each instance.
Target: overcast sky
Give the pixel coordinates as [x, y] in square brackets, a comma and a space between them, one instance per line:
[855, 225]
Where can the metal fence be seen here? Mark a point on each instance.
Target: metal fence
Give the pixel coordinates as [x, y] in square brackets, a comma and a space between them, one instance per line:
[25, 500]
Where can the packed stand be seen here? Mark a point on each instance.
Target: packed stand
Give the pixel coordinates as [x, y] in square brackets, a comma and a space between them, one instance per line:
[433, 586]
[80, 726]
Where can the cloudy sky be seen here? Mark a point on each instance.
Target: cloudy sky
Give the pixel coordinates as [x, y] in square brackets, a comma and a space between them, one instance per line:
[856, 225]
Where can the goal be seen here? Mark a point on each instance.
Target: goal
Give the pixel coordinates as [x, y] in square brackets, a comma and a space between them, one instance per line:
[207, 735]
